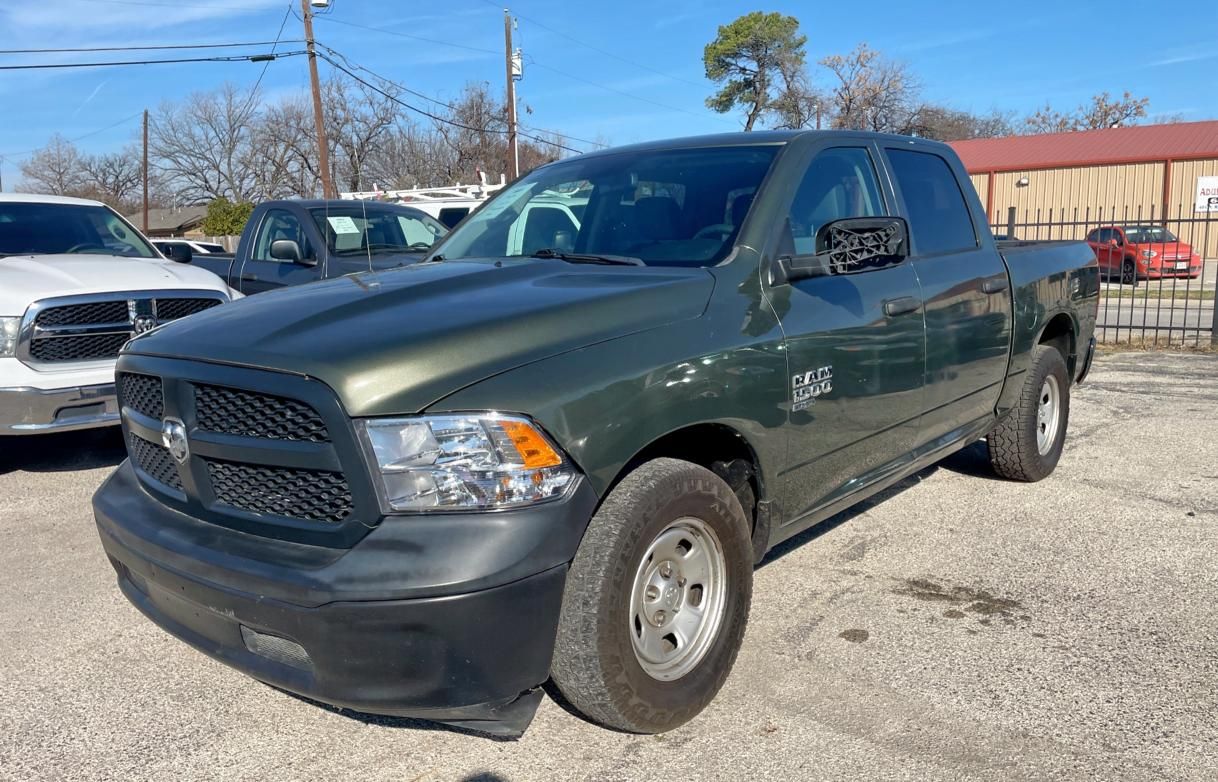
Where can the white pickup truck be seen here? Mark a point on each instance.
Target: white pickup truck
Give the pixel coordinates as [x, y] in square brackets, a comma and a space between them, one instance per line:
[76, 282]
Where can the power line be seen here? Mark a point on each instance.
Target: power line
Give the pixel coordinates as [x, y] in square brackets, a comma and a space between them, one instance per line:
[77, 138]
[439, 102]
[149, 48]
[267, 64]
[436, 117]
[328, 20]
[232, 58]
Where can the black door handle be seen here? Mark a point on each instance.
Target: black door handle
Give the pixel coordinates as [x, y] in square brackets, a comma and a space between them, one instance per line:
[994, 285]
[902, 306]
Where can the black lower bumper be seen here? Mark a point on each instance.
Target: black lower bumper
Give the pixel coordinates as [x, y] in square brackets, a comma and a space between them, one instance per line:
[473, 659]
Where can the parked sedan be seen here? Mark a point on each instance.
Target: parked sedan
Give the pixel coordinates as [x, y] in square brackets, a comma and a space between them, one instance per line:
[1142, 252]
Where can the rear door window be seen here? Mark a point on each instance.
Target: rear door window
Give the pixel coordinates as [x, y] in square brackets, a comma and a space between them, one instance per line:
[939, 219]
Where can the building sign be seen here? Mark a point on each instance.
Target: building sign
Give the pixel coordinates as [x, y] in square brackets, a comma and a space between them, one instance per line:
[1207, 194]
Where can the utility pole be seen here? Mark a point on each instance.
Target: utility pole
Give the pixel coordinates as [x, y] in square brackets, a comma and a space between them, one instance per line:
[323, 149]
[145, 172]
[513, 154]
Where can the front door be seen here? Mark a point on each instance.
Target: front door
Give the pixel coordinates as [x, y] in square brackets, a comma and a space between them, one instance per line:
[261, 272]
[965, 290]
[855, 344]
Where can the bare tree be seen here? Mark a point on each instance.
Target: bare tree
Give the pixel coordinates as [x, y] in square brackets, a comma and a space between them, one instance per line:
[55, 169]
[116, 178]
[946, 124]
[800, 104]
[357, 120]
[872, 92]
[203, 145]
[1102, 111]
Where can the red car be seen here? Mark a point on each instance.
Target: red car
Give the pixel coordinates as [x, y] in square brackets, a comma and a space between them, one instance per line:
[1142, 252]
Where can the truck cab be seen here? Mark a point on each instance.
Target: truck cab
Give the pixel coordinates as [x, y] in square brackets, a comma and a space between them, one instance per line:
[295, 242]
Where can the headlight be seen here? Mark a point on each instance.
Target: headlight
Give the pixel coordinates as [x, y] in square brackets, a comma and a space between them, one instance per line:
[8, 336]
[1149, 254]
[463, 462]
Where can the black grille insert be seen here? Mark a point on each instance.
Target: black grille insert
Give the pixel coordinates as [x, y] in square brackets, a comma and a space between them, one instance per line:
[315, 495]
[81, 347]
[155, 460]
[90, 314]
[230, 411]
[142, 393]
[172, 309]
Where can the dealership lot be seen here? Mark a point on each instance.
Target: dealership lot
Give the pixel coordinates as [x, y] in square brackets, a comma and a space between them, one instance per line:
[958, 627]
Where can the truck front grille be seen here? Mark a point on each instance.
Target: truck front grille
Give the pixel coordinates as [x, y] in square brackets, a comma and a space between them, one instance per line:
[142, 393]
[84, 347]
[233, 411]
[88, 314]
[95, 327]
[315, 495]
[154, 459]
[265, 452]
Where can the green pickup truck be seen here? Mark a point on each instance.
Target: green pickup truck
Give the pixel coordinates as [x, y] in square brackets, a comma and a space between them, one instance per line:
[554, 453]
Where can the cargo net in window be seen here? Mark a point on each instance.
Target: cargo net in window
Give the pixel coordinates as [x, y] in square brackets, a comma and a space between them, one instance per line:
[855, 250]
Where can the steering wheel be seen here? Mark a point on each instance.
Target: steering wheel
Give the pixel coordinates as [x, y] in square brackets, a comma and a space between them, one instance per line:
[83, 246]
[719, 231]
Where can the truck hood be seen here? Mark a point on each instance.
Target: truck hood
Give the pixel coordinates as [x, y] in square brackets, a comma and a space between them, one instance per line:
[393, 342]
[25, 279]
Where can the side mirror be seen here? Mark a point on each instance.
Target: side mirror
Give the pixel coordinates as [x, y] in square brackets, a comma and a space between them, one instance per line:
[289, 250]
[179, 252]
[850, 246]
[1114, 242]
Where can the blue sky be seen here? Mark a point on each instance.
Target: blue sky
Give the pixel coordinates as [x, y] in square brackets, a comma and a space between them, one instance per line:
[970, 55]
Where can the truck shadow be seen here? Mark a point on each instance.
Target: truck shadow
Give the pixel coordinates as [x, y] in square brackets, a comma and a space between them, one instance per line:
[972, 461]
[85, 450]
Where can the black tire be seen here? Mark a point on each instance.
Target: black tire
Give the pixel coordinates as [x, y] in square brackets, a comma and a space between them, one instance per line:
[1014, 451]
[1129, 272]
[595, 665]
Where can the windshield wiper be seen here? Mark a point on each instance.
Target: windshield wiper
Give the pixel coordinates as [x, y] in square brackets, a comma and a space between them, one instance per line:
[608, 260]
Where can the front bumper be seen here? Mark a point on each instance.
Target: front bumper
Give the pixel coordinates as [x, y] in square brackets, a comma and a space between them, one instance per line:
[29, 410]
[333, 625]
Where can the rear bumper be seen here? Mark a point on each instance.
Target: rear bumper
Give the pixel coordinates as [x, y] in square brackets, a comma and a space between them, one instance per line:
[29, 410]
[474, 658]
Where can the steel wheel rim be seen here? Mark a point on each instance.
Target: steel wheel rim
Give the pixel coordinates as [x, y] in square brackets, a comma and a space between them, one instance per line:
[1048, 413]
[678, 599]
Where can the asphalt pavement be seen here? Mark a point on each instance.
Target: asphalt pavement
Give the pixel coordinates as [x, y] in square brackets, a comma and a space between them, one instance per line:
[958, 627]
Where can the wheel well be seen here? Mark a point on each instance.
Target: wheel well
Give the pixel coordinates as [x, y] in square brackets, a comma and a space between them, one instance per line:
[1059, 333]
[718, 448]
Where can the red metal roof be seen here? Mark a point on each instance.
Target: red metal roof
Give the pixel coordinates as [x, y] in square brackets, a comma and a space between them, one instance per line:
[1140, 143]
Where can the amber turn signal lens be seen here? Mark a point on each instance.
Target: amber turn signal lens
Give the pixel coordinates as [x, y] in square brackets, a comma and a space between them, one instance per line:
[533, 448]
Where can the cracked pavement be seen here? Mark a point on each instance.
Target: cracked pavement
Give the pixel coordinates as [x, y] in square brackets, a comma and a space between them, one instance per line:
[957, 627]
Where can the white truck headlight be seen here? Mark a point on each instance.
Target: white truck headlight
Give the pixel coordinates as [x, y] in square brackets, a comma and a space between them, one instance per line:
[8, 336]
[475, 461]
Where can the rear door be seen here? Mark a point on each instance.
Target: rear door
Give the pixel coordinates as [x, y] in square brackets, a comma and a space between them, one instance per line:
[260, 272]
[855, 343]
[966, 291]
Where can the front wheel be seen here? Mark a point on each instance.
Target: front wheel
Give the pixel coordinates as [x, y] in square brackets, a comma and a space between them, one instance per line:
[1027, 444]
[656, 599]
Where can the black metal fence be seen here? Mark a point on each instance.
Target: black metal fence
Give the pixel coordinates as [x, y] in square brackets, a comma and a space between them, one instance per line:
[1147, 301]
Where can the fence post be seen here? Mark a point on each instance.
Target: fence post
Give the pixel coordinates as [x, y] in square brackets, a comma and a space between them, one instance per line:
[1011, 222]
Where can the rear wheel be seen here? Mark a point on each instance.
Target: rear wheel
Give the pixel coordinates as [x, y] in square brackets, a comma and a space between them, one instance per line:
[1129, 272]
[1027, 444]
[656, 600]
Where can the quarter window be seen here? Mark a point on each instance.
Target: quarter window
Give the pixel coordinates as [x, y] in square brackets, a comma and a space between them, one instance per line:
[939, 218]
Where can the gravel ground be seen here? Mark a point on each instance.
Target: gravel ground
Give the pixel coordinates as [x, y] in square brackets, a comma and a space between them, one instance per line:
[959, 627]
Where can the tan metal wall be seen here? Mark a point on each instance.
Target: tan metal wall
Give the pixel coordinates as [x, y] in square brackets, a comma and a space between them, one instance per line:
[1091, 195]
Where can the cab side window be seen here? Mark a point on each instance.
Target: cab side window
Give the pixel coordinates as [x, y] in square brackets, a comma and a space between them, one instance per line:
[938, 215]
[839, 183]
[279, 224]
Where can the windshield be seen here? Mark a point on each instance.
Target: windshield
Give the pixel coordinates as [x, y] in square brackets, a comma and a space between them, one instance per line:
[1148, 234]
[349, 230]
[57, 229]
[667, 207]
